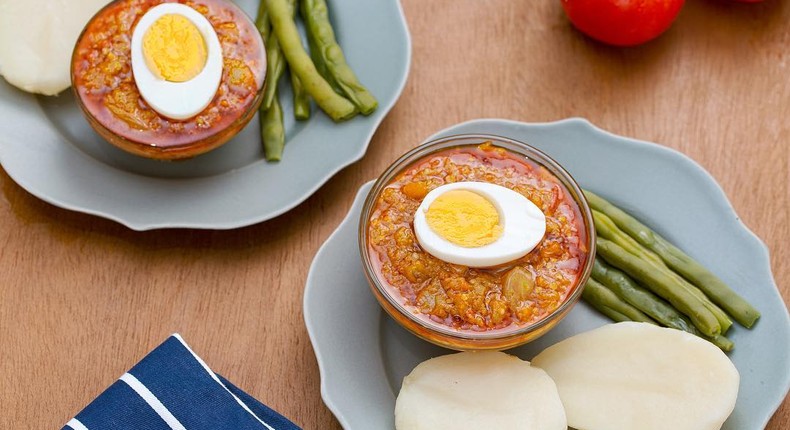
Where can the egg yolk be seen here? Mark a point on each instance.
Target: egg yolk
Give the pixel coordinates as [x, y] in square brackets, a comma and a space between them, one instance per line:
[174, 49]
[464, 218]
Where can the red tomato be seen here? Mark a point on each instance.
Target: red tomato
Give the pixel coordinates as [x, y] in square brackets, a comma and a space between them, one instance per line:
[622, 22]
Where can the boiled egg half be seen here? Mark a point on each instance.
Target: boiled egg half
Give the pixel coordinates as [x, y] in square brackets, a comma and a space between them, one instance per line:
[176, 60]
[478, 224]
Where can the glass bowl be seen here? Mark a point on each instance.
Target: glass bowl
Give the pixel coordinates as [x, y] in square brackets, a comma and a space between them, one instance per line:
[105, 90]
[409, 316]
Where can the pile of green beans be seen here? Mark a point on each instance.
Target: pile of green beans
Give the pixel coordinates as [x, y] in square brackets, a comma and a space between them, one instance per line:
[323, 75]
[640, 276]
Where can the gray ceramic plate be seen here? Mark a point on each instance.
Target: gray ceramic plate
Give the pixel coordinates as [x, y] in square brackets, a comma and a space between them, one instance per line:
[363, 355]
[48, 148]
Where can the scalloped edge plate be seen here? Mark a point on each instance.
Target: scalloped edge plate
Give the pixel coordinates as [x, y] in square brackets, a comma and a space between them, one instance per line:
[363, 355]
[49, 150]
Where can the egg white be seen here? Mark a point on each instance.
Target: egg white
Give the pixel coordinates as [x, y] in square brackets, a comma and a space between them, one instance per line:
[523, 226]
[177, 100]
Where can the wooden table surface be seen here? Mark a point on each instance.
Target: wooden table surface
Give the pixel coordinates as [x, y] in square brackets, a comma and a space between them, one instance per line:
[82, 298]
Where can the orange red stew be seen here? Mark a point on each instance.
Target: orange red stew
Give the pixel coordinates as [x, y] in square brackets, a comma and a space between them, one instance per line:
[514, 294]
[103, 74]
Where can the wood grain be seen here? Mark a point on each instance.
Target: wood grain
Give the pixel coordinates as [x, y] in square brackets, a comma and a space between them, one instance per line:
[83, 298]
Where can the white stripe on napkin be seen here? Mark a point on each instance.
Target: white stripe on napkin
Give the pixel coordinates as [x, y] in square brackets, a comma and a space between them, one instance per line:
[152, 401]
[214, 376]
[76, 424]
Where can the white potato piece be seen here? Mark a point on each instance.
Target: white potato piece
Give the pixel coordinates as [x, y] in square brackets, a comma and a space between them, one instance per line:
[37, 38]
[632, 375]
[478, 390]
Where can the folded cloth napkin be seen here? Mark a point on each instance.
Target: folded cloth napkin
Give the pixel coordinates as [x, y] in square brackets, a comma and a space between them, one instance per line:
[173, 388]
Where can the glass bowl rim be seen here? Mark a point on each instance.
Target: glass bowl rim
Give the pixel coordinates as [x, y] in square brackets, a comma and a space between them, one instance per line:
[143, 146]
[448, 142]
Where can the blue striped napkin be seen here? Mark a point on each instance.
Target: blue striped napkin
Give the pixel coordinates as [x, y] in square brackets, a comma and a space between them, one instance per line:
[173, 388]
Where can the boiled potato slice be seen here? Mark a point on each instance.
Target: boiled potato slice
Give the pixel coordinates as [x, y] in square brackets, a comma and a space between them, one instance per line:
[478, 390]
[37, 38]
[630, 376]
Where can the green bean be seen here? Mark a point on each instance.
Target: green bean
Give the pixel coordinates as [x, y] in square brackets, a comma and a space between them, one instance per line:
[713, 287]
[647, 302]
[271, 118]
[601, 297]
[273, 131]
[609, 312]
[721, 341]
[337, 107]
[320, 65]
[724, 320]
[639, 297]
[718, 292]
[335, 68]
[318, 60]
[275, 66]
[607, 229]
[301, 99]
[262, 21]
[661, 284]
[275, 63]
